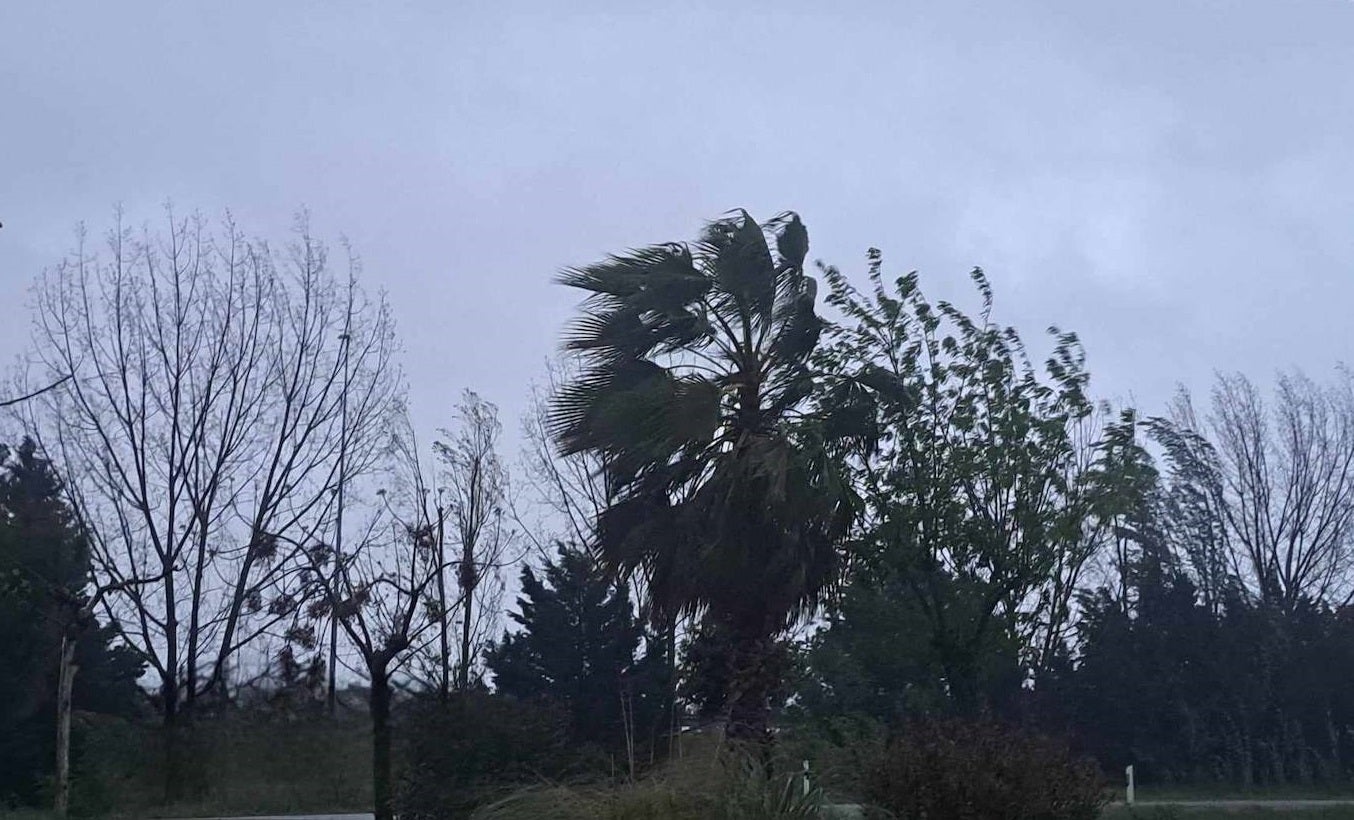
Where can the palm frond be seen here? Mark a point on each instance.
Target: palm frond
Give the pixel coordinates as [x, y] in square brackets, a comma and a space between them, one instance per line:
[740, 260]
[700, 375]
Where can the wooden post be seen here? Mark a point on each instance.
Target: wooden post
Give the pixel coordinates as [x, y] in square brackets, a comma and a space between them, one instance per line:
[65, 681]
[1129, 773]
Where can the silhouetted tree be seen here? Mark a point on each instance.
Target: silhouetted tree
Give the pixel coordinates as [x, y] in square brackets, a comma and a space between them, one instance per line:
[378, 588]
[1276, 481]
[985, 496]
[475, 493]
[580, 643]
[213, 384]
[44, 595]
[694, 392]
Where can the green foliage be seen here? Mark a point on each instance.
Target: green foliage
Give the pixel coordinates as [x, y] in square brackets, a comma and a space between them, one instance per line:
[44, 569]
[474, 748]
[231, 765]
[577, 645]
[1243, 695]
[964, 769]
[981, 501]
[878, 658]
[697, 376]
[729, 786]
[753, 790]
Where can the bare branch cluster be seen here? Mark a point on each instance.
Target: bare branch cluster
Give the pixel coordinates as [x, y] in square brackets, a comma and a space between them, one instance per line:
[200, 429]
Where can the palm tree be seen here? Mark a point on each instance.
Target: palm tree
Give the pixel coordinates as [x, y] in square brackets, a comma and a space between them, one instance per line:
[693, 394]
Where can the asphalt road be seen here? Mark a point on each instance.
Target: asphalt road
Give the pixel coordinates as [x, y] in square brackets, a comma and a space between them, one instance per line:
[1241, 805]
[293, 817]
[847, 811]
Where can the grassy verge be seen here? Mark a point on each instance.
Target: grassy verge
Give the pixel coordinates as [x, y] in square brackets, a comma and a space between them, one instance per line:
[223, 766]
[1211, 813]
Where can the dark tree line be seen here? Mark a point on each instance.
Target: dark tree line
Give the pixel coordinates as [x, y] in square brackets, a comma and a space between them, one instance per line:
[44, 589]
[1172, 592]
[883, 510]
[980, 535]
[1223, 648]
[579, 643]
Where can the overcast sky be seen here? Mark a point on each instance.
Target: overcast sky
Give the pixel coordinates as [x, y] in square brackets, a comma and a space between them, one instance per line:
[1173, 180]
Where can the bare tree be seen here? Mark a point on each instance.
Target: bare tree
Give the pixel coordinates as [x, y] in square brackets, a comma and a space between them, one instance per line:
[1277, 482]
[377, 590]
[476, 489]
[571, 490]
[201, 424]
[1192, 512]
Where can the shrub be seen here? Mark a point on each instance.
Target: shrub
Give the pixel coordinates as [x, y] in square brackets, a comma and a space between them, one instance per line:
[233, 763]
[954, 769]
[474, 748]
[726, 786]
[839, 749]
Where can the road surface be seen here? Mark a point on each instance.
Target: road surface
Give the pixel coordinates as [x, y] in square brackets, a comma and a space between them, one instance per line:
[849, 811]
[291, 817]
[1237, 805]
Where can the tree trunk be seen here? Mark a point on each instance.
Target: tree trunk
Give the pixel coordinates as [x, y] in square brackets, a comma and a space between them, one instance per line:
[381, 772]
[169, 695]
[194, 622]
[444, 646]
[464, 683]
[959, 663]
[670, 707]
[754, 677]
[464, 676]
[65, 682]
[331, 690]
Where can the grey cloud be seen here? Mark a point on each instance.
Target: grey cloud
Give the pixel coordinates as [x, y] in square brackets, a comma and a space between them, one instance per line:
[1172, 180]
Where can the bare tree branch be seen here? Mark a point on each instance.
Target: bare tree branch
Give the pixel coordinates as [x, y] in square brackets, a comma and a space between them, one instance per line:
[33, 395]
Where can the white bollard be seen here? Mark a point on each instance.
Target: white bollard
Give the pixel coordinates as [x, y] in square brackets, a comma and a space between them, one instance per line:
[1129, 772]
[806, 778]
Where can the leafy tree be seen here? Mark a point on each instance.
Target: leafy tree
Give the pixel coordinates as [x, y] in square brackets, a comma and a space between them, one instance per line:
[985, 496]
[578, 644]
[877, 658]
[724, 494]
[44, 571]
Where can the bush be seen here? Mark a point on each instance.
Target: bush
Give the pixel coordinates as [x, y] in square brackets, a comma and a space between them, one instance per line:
[235, 763]
[474, 748]
[840, 749]
[726, 786]
[980, 770]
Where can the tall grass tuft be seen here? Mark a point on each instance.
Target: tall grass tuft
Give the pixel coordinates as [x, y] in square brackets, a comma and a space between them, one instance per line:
[729, 785]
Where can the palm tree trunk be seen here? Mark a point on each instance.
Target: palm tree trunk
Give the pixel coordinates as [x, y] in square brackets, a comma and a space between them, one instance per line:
[674, 731]
[752, 681]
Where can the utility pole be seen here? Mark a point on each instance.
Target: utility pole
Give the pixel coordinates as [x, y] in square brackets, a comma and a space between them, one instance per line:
[444, 680]
[331, 699]
[66, 681]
